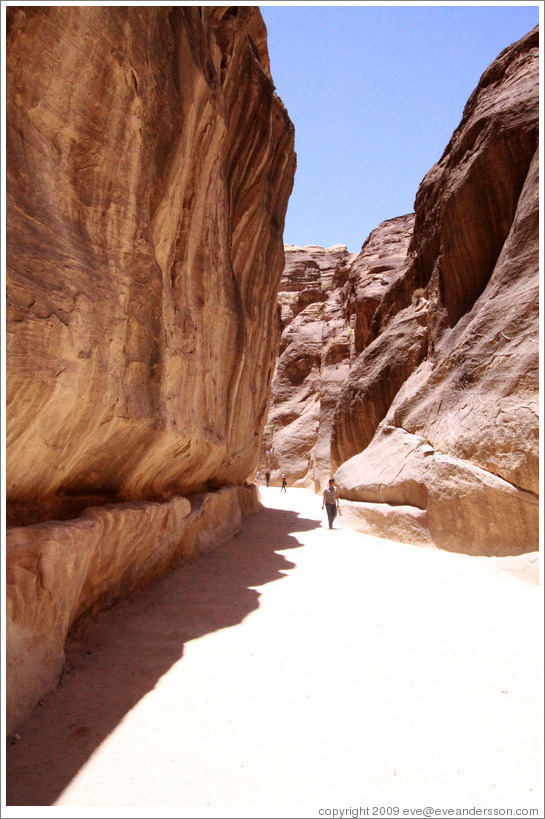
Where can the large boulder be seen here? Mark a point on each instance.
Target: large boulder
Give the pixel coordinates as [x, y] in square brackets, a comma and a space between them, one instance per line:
[460, 435]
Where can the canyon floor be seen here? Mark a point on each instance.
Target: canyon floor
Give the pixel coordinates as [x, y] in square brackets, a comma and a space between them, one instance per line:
[294, 669]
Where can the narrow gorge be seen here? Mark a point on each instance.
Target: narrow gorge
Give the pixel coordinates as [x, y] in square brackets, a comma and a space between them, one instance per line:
[163, 344]
[410, 370]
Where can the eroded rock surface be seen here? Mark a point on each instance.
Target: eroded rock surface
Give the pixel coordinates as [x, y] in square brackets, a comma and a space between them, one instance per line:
[149, 165]
[434, 431]
[386, 349]
[62, 571]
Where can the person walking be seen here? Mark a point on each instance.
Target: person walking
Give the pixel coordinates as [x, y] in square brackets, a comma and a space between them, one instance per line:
[330, 500]
[284, 483]
[267, 477]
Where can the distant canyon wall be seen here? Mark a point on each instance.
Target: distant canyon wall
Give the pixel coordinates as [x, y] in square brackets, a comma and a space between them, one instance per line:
[327, 301]
[432, 396]
[149, 166]
[313, 360]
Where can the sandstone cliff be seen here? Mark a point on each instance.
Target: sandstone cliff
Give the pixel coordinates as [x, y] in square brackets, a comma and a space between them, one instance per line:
[435, 428]
[327, 301]
[149, 166]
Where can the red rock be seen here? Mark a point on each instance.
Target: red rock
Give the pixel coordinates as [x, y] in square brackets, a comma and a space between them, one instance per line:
[328, 298]
[387, 349]
[313, 361]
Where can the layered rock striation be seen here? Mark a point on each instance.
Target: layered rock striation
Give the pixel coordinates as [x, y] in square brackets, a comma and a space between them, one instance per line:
[149, 166]
[62, 571]
[435, 428]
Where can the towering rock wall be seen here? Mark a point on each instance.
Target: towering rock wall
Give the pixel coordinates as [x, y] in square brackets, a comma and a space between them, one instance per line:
[460, 438]
[435, 428]
[149, 166]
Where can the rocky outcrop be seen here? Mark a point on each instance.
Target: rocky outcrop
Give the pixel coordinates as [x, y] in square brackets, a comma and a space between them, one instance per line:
[387, 350]
[62, 571]
[149, 166]
[434, 432]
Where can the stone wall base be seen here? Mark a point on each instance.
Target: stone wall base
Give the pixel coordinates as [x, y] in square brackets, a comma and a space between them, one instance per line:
[61, 571]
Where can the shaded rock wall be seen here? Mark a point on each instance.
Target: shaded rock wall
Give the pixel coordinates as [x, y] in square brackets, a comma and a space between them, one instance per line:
[149, 166]
[435, 428]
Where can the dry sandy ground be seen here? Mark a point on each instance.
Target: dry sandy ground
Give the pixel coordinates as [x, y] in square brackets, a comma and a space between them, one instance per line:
[297, 668]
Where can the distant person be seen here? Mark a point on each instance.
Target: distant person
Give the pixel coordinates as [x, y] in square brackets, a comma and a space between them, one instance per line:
[284, 483]
[258, 477]
[330, 500]
[267, 477]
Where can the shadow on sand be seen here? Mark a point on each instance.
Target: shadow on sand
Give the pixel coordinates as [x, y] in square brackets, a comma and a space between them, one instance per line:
[117, 657]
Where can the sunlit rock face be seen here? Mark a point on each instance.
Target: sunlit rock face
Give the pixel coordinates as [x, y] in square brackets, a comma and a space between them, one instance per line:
[387, 348]
[312, 364]
[149, 165]
[460, 437]
[328, 299]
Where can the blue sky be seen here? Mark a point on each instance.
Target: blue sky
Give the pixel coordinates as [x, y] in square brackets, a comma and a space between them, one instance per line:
[375, 92]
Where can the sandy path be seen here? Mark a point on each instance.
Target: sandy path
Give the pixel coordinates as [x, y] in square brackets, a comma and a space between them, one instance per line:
[304, 668]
